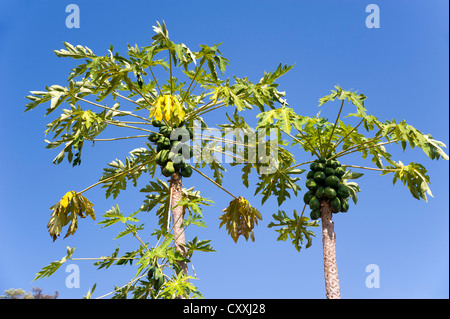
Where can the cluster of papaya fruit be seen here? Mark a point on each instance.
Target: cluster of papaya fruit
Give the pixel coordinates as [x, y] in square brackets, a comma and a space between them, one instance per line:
[172, 149]
[324, 183]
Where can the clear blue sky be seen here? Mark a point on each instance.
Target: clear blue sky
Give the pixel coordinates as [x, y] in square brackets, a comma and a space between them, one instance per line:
[402, 68]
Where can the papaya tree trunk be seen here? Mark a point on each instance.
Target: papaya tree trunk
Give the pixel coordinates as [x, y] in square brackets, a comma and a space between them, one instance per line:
[176, 186]
[329, 252]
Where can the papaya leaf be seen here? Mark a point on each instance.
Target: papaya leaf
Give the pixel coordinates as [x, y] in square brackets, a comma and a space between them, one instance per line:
[50, 269]
[295, 229]
[67, 210]
[414, 177]
[240, 218]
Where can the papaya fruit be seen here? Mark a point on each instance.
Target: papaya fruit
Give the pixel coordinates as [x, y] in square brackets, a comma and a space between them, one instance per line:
[310, 174]
[165, 130]
[320, 191]
[186, 171]
[168, 169]
[307, 197]
[330, 192]
[153, 137]
[319, 177]
[335, 164]
[314, 203]
[178, 161]
[343, 191]
[158, 158]
[339, 171]
[312, 166]
[166, 143]
[156, 123]
[175, 146]
[344, 206]
[329, 171]
[332, 181]
[335, 203]
[311, 184]
[319, 167]
[186, 151]
[315, 214]
[164, 157]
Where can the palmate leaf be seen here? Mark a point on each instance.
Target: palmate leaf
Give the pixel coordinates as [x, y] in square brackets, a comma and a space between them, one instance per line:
[414, 177]
[50, 269]
[115, 215]
[352, 97]
[240, 218]
[284, 115]
[67, 210]
[198, 245]
[179, 285]
[159, 194]
[295, 229]
[118, 173]
[279, 183]
[407, 134]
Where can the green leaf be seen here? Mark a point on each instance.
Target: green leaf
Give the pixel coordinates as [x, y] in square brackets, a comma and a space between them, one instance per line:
[296, 229]
[50, 269]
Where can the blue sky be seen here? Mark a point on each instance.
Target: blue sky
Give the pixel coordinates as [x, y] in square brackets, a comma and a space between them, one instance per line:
[402, 67]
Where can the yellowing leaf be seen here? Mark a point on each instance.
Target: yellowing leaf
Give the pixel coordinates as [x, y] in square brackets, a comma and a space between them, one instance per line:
[68, 209]
[240, 218]
[169, 108]
[67, 198]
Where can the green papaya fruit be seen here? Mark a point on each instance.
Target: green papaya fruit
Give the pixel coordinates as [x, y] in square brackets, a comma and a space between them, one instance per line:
[343, 191]
[319, 177]
[307, 197]
[344, 206]
[329, 171]
[314, 203]
[335, 203]
[175, 146]
[166, 143]
[168, 169]
[156, 123]
[153, 137]
[178, 161]
[335, 164]
[164, 157]
[180, 134]
[186, 171]
[319, 167]
[339, 171]
[310, 174]
[320, 191]
[186, 150]
[158, 158]
[332, 181]
[315, 214]
[311, 184]
[330, 192]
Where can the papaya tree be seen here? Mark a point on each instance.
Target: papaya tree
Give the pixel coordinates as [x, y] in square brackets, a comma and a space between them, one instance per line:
[117, 94]
[330, 176]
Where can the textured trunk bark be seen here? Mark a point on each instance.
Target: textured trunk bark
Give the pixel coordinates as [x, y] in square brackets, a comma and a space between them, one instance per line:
[329, 252]
[176, 186]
